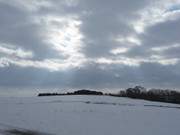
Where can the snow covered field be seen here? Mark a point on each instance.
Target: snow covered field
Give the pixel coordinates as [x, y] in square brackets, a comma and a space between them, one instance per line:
[89, 115]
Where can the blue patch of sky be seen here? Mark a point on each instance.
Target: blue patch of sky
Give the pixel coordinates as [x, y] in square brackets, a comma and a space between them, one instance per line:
[174, 8]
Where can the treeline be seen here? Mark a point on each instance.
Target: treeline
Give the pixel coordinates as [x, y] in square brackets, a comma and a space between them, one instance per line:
[161, 95]
[51, 94]
[78, 92]
[138, 92]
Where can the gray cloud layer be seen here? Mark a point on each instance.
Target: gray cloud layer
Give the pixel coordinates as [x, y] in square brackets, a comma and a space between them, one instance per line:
[94, 44]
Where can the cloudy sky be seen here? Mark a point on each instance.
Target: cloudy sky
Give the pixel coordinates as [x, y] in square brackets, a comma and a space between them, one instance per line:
[90, 43]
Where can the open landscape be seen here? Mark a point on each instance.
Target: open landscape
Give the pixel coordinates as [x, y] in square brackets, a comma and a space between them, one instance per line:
[89, 67]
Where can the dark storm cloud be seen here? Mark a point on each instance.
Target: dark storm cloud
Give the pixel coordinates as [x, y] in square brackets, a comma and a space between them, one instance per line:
[18, 29]
[91, 30]
[92, 76]
[104, 21]
[162, 34]
[157, 75]
[118, 76]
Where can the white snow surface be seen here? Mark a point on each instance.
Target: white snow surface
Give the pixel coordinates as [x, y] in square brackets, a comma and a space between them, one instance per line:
[89, 115]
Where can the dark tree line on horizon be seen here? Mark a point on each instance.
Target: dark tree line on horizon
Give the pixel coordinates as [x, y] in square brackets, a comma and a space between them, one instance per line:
[161, 95]
[78, 92]
[138, 92]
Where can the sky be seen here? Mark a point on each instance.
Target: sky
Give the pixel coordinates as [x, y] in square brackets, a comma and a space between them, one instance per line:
[94, 44]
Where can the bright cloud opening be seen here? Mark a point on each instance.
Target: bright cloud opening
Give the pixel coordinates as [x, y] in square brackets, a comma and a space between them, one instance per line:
[154, 13]
[12, 51]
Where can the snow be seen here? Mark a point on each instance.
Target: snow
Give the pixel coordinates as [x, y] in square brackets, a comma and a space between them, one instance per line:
[89, 115]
